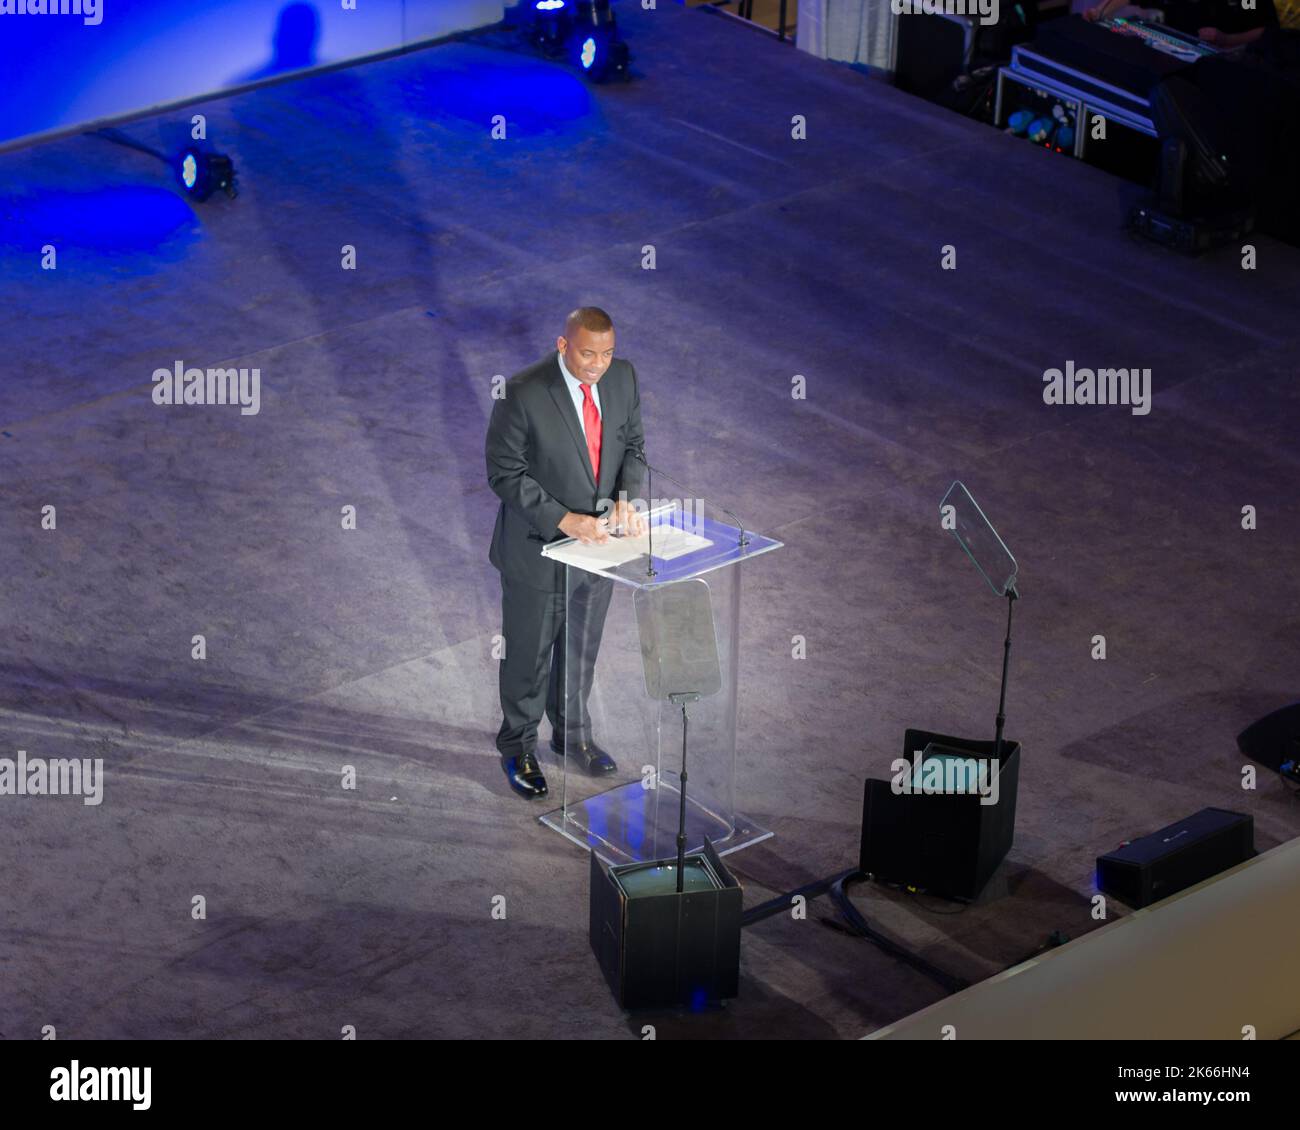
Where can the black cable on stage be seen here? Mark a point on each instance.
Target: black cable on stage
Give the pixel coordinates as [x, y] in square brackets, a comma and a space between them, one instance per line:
[836, 887]
[859, 927]
[839, 896]
[119, 138]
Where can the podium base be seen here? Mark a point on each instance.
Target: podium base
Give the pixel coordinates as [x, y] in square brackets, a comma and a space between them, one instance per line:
[633, 824]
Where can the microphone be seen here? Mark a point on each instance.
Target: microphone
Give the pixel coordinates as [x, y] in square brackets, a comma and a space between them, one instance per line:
[639, 452]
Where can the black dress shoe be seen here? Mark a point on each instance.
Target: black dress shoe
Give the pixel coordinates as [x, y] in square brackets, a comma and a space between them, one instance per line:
[525, 775]
[593, 760]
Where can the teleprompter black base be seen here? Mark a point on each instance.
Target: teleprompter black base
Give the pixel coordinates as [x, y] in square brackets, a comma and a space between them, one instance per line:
[665, 950]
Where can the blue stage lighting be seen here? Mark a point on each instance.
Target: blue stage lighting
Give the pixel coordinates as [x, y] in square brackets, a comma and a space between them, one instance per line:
[201, 174]
[132, 226]
[582, 30]
[548, 25]
[596, 45]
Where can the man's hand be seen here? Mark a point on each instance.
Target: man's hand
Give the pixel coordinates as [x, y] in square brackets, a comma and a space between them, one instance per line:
[585, 528]
[1213, 35]
[625, 514]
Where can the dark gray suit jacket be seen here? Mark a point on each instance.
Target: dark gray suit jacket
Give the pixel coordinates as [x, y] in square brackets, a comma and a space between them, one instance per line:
[537, 462]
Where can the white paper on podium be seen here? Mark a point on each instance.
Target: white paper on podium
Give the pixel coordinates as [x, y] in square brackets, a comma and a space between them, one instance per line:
[669, 542]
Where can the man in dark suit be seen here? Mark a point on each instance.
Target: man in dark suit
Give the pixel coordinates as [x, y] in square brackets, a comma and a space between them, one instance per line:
[560, 457]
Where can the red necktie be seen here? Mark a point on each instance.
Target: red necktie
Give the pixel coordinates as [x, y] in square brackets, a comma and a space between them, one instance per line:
[591, 424]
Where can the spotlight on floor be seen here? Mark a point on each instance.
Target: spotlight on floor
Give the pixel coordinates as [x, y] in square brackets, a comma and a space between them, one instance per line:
[201, 174]
[596, 45]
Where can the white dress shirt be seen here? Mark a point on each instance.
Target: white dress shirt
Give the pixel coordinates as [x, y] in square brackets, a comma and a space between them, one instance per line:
[575, 391]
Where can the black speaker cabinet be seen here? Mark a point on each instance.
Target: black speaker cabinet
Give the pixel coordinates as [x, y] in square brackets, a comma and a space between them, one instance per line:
[946, 844]
[1275, 738]
[1175, 858]
[659, 949]
[931, 50]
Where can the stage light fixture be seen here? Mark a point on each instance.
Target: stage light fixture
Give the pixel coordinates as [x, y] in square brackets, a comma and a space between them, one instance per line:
[596, 45]
[201, 174]
[551, 25]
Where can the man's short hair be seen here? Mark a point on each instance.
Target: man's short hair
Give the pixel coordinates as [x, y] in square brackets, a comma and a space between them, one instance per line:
[591, 318]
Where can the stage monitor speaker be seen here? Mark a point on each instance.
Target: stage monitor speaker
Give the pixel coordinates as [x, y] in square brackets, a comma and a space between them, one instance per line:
[1275, 738]
[661, 949]
[1177, 857]
[930, 51]
[945, 844]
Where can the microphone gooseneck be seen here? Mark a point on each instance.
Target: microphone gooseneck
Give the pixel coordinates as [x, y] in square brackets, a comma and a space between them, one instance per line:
[639, 452]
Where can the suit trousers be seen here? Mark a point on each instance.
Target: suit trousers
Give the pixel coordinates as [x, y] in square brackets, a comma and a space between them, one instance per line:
[532, 674]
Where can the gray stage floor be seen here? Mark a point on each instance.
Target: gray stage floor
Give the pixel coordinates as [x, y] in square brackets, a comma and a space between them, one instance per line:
[775, 257]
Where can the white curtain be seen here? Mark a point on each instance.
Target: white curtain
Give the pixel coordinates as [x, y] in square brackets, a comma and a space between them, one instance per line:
[848, 31]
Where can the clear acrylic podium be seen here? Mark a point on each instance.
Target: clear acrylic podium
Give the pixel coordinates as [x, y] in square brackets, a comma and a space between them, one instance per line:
[637, 647]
